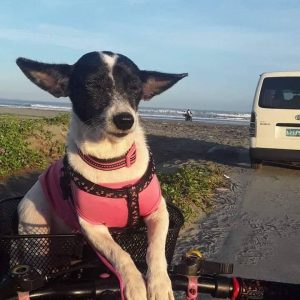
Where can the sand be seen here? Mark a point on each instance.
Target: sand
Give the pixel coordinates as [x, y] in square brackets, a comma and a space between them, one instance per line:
[36, 113]
[255, 223]
[173, 143]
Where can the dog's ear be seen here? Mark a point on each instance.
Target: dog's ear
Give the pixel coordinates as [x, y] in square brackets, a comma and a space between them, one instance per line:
[53, 78]
[155, 83]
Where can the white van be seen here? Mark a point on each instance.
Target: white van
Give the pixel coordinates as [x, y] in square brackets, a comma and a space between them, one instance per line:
[275, 119]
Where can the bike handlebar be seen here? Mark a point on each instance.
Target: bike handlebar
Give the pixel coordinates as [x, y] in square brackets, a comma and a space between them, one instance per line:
[217, 286]
[267, 290]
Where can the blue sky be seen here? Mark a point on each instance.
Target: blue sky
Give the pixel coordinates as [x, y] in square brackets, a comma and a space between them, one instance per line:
[223, 44]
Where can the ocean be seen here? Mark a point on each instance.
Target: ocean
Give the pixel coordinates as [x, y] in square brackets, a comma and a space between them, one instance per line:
[217, 117]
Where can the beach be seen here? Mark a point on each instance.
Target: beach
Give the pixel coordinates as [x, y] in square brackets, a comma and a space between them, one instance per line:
[173, 143]
[27, 112]
[217, 234]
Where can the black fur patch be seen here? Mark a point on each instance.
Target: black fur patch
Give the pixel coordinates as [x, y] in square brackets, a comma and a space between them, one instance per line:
[127, 80]
[92, 86]
[92, 89]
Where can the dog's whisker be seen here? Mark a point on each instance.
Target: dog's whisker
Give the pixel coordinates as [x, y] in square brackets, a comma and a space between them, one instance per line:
[92, 123]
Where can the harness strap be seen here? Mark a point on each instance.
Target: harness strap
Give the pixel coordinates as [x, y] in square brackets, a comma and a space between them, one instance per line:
[133, 207]
[130, 193]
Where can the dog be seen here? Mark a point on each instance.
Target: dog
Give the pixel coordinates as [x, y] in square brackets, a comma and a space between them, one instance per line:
[106, 147]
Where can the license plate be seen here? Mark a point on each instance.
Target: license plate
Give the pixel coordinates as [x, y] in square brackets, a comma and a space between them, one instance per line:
[292, 132]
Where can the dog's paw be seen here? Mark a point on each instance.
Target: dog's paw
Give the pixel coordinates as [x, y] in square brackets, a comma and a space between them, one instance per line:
[159, 286]
[134, 286]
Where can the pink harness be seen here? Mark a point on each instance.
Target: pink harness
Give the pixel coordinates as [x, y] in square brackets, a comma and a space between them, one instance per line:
[114, 205]
[110, 211]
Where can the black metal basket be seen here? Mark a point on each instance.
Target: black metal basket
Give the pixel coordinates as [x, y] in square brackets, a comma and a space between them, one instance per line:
[52, 254]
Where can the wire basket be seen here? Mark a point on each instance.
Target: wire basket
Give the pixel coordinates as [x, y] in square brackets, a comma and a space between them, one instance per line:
[52, 254]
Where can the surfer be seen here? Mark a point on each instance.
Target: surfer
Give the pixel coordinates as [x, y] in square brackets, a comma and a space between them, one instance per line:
[188, 115]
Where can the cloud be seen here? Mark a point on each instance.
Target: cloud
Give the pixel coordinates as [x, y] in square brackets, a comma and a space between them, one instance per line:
[60, 36]
[228, 39]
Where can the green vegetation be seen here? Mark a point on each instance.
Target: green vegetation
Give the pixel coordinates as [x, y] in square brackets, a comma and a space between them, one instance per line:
[191, 188]
[61, 119]
[32, 143]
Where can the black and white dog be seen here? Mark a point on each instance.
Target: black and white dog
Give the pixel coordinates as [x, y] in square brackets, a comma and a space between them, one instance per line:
[105, 89]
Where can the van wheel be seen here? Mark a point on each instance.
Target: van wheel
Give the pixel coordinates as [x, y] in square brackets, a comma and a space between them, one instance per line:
[256, 164]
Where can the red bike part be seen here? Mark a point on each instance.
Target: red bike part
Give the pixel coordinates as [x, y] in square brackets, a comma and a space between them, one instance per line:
[104, 275]
[23, 296]
[192, 290]
[236, 289]
[112, 269]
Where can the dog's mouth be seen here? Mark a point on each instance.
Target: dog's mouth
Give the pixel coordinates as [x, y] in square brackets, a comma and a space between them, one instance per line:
[118, 134]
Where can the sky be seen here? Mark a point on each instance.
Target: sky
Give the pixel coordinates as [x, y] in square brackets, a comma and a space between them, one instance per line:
[224, 45]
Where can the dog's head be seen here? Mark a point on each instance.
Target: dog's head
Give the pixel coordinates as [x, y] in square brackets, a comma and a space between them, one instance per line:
[105, 89]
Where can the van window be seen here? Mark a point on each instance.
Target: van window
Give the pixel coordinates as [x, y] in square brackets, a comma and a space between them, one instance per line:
[280, 92]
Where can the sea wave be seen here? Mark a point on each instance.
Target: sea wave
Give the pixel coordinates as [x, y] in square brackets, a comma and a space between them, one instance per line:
[234, 115]
[49, 107]
[145, 112]
[198, 115]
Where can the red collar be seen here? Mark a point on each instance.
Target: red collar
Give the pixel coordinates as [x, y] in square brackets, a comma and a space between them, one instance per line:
[111, 164]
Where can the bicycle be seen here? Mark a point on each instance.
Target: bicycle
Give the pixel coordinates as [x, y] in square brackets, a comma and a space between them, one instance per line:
[70, 270]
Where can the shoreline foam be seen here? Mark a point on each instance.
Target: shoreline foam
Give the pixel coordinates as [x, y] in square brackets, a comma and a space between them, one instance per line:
[42, 111]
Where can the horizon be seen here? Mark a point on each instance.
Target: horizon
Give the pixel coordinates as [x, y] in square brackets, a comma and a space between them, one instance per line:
[143, 105]
[224, 45]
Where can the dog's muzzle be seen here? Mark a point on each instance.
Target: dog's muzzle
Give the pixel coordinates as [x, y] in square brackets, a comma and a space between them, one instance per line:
[123, 121]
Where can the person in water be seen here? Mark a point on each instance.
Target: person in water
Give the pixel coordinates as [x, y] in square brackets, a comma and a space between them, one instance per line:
[188, 115]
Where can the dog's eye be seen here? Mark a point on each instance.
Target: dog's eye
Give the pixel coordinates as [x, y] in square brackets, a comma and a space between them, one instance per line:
[133, 86]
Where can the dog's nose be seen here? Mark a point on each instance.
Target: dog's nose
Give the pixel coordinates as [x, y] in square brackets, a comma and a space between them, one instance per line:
[123, 121]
